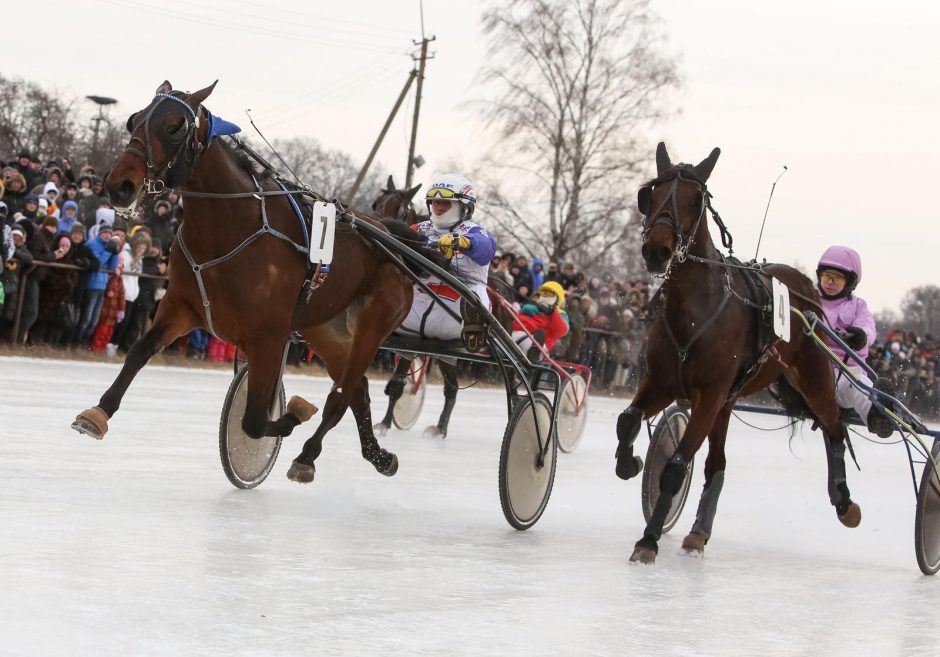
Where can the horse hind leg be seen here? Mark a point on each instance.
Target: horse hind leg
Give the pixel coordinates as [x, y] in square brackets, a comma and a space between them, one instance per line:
[451, 386]
[694, 543]
[384, 461]
[394, 389]
[819, 394]
[172, 321]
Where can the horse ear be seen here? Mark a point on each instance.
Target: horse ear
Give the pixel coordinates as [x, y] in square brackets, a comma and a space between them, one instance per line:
[662, 159]
[390, 185]
[196, 99]
[165, 88]
[414, 190]
[704, 168]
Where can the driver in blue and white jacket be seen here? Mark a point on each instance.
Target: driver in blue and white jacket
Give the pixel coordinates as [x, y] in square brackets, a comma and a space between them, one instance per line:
[468, 248]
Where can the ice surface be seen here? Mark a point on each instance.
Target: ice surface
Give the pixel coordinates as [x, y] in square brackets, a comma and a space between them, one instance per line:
[138, 545]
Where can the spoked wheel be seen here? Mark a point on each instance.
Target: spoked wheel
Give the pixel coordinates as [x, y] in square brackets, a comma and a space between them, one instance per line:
[571, 419]
[927, 517]
[246, 461]
[665, 439]
[525, 484]
[408, 407]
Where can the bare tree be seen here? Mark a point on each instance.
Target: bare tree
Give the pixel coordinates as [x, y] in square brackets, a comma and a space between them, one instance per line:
[33, 118]
[328, 172]
[920, 310]
[577, 82]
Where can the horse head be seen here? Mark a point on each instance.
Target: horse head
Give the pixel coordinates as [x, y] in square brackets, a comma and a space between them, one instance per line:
[166, 138]
[396, 204]
[673, 205]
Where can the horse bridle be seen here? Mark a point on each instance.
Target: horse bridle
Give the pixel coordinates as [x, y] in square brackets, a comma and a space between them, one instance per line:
[669, 216]
[186, 141]
[404, 207]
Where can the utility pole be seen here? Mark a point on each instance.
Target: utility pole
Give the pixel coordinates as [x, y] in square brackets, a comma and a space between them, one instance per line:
[410, 169]
[100, 101]
[351, 196]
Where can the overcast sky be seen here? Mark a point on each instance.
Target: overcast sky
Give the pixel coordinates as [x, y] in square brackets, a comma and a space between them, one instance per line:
[846, 94]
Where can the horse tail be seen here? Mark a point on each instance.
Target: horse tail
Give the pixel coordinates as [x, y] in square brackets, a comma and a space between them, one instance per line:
[792, 402]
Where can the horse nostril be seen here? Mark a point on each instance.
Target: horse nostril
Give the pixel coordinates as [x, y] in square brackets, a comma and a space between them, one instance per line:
[663, 253]
[645, 252]
[126, 189]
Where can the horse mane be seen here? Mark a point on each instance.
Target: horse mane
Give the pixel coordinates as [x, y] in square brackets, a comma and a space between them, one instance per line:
[245, 162]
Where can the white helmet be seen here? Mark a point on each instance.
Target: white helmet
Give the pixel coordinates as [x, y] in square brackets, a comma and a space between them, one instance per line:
[450, 186]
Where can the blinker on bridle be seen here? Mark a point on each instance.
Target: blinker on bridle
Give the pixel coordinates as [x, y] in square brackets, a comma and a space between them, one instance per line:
[186, 140]
[668, 211]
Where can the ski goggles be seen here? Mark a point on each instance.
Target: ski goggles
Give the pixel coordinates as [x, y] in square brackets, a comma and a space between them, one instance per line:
[833, 277]
[443, 193]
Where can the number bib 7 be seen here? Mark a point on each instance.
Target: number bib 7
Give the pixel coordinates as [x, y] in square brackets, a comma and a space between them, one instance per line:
[322, 232]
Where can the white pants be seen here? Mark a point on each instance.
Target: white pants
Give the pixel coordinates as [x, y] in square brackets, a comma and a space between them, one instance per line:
[848, 396]
[427, 319]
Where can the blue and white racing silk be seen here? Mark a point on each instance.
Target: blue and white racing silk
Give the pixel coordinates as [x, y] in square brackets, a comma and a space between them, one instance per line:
[426, 318]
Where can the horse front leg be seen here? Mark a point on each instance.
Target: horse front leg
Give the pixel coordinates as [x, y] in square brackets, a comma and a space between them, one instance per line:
[451, 386]
[394, 389]
[704, 411]
[694, 542]
[265, 362]
[649, 400]
[172, 321]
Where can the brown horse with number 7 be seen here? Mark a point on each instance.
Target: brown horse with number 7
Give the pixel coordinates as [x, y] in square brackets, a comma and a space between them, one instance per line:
[238, 268]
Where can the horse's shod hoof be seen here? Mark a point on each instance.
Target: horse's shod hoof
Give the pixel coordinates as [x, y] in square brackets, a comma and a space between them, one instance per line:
[434, 431]
[93, 422]
[379, 429]
[852, 516]
[390, 469]
[630, 467]
[301, 472]
[694, 543]
[643, 555]
[300, 408]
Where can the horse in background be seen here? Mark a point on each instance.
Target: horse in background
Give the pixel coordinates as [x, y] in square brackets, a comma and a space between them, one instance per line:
[240, 269]
[706, 346]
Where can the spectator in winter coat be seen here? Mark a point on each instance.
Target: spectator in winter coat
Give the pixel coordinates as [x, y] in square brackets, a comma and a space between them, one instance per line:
[11, 274]
[545, 315]
[106, 252]
[538, 277]
[128, 330]
[16, 193]
[68, 216]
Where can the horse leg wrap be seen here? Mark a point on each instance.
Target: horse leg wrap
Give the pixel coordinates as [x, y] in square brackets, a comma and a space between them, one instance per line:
[708, 505]
[628, 426]
[673, 475]
[450, 398]
[395, 387]
[838, 488]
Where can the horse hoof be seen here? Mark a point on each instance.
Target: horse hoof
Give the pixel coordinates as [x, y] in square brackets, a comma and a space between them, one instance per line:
[643, 555]
[391, 468]
[300, 408]
[301, 472]
[434, 431]
[380, 429]
[629, 468]
[92, 422]
[852, 516]
[694, 543]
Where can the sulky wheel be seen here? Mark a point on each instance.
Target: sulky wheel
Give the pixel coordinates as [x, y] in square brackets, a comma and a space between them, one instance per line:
[408, 407]
[571, 419]
[663, 443]
[246, 461]
[525, 479]
[927, 516]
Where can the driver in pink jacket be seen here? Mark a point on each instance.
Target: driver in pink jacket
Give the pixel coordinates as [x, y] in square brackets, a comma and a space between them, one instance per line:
[838, 274]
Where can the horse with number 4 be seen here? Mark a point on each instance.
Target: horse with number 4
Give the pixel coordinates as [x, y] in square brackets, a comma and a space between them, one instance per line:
[245, 267]
[711, 342]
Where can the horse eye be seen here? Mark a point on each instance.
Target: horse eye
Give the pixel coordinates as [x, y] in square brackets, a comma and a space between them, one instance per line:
[174, 128]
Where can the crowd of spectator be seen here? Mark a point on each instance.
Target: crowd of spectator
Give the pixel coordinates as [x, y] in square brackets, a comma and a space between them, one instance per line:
[911, 363]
